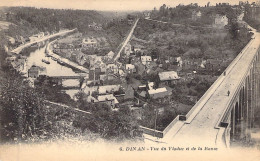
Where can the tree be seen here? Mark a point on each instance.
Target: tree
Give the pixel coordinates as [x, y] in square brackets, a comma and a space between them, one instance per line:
[149, 116]
[81, 102]
[234, 30]
[163, 10]
[113, 124]
[52, 90]
[22, 113]
[107, 123]
[166, 118]
[155, 78]
[130, 17]
[170, 46]
[155, 53]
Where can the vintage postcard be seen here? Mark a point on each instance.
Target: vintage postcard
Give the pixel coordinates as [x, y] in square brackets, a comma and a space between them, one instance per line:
[129, 80]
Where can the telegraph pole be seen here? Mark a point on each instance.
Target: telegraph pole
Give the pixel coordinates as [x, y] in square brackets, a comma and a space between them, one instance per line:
[155, 120]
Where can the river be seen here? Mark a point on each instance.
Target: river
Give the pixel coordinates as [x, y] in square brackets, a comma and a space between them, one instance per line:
[53, 69]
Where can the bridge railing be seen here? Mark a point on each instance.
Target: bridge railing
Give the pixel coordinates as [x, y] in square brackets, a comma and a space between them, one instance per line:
[171, 125]
[152, 132]
[202, 101]
[223, 121]
[161, 134]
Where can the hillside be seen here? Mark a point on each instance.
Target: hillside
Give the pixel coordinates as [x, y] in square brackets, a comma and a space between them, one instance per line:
[28, 21]
[183, 14]
[118, 14]
[52, 19]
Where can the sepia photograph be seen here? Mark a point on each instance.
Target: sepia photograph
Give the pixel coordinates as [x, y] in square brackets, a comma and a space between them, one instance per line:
[119, 80]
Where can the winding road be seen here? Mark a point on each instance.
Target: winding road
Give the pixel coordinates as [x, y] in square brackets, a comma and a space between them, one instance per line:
[20, 48]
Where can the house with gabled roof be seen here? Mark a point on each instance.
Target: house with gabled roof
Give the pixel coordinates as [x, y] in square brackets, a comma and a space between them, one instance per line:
[130, 68]
[195, 15]
[159, 93]
[35, 71]
[89, 42]
[147, 15]
[146, 59]
[108, 89]
[110, 55]
[112, 68]
[109, 99]
[168, 77]
[128, 49]
[240, 16]
[220, 21]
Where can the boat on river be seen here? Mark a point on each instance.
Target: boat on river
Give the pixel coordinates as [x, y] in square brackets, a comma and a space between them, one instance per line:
[60, 62]
[55, 59]
[45, 61]
[47, 55]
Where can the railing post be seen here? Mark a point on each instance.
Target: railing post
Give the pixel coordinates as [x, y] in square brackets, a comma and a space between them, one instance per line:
[246, 106]
[233, 114]
[249, 106]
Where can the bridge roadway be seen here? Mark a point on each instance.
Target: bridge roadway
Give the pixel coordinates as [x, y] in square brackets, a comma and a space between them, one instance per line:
[201, 125]
[20, 48]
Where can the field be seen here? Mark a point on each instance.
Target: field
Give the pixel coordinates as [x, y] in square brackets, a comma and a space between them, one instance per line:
[4, 25]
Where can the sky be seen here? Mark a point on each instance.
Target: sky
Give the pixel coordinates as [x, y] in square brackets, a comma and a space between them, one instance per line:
[108, 5]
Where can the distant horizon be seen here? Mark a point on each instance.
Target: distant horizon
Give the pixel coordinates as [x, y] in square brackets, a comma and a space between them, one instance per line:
[109, 5]
[81, 9]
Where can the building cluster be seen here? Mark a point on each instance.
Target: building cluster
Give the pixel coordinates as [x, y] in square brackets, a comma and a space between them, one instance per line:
[221, 20]
[137, 75]
[95, 26]
[36, 71]
[108, 94]
[107, 81]
[147, 15]
[81, 49]
[195, 15]
[21, 40]
[81, 44]
[18, 63]
[36, 36]
[130, 19]
[252, 10]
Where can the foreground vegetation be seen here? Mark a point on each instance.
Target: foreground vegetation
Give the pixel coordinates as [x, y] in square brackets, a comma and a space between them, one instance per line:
[27, 117]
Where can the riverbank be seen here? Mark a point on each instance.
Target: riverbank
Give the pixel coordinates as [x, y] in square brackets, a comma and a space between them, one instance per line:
[64, 60]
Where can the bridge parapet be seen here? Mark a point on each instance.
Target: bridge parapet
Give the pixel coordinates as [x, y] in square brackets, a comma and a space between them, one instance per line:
[242, 105]
[161, 134]
[202, 101]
